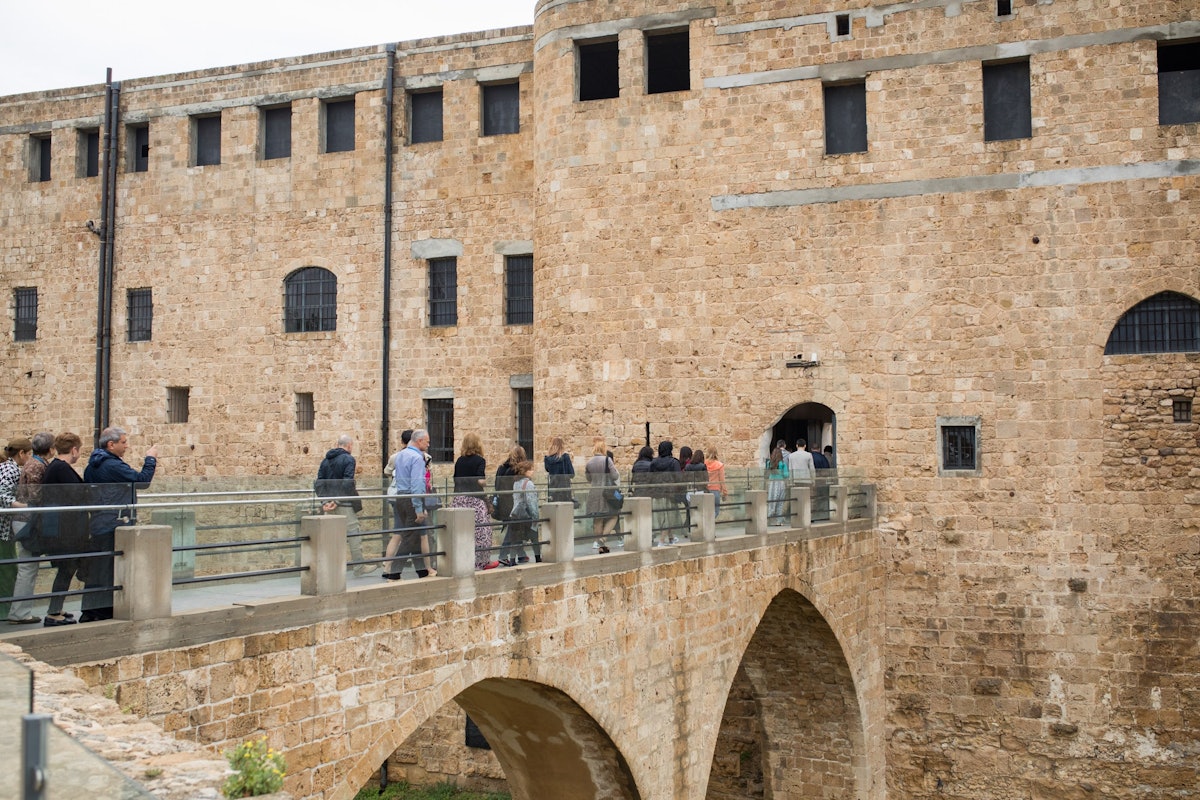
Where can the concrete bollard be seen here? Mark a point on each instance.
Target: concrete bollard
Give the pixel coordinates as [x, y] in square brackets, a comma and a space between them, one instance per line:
[459, 542]
[802, 506]
[641, 523]
[143, 572]
[562, 532]
[704, 511]
[324, 553]
[756, 500]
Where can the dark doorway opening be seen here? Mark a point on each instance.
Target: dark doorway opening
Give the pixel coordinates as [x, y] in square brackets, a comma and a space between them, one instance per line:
[813, 422]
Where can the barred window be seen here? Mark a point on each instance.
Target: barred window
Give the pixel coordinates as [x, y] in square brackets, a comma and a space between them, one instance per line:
[177, 403]
[518, 290]
[339, 126]
[443, 291]
[958, 446]
[425, 117]
[306, 412]
[439, 421]
[501, 109]
[140, 314]
[276, 132]
[525, 419]
[310, 301]
[1181, 410]
[1168, 322]
[25, 310]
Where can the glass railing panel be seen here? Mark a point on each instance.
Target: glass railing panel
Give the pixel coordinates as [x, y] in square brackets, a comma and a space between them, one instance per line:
[74, 772]
[16, 698]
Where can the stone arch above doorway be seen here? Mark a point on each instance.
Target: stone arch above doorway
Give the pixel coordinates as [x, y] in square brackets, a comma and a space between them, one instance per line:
[816, 423]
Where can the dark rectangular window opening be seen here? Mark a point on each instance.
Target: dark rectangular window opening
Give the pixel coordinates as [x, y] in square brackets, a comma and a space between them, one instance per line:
[277, 132]
[501, 108]
[306, 413]
[1007, 112]
[138, 156]
[88, 161]
[439, 421]
[1178, 83]
[598, 75]
[177, 404]
[339, 126]
[39, 159]
[25, 313]
[1004, 8]
[141, 314]
[668, 62]
[425, 117]
[207, 132]
[443, 291]
[525, 419]
[845, 118]
[1181, 410]
[958, 447]
[474, 737]
[842, 24]
[518, 290]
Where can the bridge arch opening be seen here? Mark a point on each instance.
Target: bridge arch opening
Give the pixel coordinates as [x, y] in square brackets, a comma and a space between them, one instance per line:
[546, 744]
[792, 726]
[813, 422]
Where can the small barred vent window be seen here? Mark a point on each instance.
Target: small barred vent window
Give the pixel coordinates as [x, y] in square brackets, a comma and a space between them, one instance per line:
[25, 306]
[1168, 322]
[306, 413]
[1181, 410]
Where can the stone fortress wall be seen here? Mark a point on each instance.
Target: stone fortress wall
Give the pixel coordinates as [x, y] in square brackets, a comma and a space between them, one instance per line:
[1041, 610]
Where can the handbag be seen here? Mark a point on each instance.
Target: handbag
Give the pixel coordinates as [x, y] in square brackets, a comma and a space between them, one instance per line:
[614, 498]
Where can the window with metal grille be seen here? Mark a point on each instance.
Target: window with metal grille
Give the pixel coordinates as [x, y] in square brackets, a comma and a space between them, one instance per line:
[443, 291]
[306, 412]
[137, 159]
[524, 399]
[1168, 322]
[339, 126]
[439, 421]
[958, 447]
[425, 117]
[501, 108]
[1007, 112]
[177, 403]
[845, 118]
[1178, 83]
[141, 314]
[518, 290]
[310, 301]
[597, 65]
[276, 132]
[39, 158]
[206, 138]
[88, 156]
[1181, 410]
[25, 313]
[668, 62]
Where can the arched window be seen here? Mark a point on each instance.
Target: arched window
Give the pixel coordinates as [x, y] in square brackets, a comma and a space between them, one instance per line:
[1168, 322]
[310, 300]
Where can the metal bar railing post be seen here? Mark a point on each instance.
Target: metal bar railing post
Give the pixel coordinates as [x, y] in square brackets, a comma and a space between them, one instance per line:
[34, 755]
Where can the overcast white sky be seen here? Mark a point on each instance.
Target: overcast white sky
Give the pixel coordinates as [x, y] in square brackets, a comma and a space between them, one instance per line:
[60, 43]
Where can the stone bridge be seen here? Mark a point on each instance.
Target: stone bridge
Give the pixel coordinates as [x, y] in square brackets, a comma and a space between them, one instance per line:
[656, 673]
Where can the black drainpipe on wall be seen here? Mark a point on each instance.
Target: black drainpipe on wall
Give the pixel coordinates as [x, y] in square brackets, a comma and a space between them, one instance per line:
[388, 156]
[108, 208]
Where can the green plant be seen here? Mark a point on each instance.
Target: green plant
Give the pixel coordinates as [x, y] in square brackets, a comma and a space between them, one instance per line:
[258, 769]
[441, 791]
[152, 772]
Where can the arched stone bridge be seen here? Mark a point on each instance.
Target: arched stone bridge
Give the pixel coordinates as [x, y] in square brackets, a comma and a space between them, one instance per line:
[646, 674]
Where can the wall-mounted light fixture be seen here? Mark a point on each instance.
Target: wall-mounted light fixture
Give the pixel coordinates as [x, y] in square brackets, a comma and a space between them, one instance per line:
[799, 361]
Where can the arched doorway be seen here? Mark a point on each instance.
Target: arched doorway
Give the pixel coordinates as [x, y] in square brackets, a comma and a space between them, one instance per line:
[813, 422]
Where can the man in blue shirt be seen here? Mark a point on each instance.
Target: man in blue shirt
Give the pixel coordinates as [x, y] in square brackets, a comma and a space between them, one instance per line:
[409, 477]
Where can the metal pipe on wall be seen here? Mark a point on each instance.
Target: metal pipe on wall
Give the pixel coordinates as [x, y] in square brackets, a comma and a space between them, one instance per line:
[388, 157]
[104, 289]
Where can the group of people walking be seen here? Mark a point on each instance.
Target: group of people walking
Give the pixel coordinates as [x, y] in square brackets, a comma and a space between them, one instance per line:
[795, 466]
[39, 471]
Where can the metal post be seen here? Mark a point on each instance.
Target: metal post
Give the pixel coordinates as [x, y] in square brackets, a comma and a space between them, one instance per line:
[34, 755]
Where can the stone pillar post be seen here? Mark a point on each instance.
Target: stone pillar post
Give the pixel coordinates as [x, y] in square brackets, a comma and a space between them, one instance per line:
[704, 511]
[183, 534]
[324, 553]
[459, 543]
[840, 512]
[143, 572]
[756, 506]
[802, 507]
[562, 532]
[641, 531]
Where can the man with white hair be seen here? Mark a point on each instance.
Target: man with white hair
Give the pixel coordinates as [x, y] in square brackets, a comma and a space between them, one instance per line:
[335, 480]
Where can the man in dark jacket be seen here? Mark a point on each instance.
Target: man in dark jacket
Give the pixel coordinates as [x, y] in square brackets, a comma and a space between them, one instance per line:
[667, 492]
[115, 484]
[335, 480]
